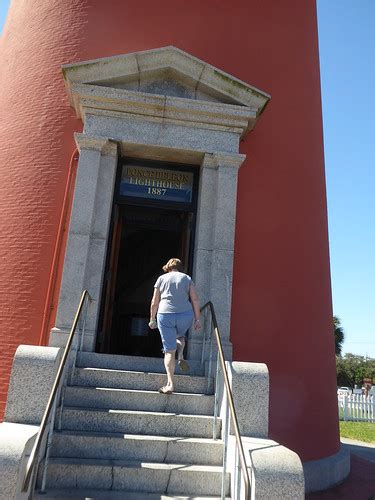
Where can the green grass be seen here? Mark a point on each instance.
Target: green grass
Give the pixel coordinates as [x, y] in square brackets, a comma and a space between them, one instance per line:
[361, 431]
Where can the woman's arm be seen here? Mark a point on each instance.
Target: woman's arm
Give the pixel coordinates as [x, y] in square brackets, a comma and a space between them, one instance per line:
[154, 304]
[196, 308]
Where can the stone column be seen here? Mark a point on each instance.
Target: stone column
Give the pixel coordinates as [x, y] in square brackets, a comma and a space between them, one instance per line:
[214, 247]
[88, 236]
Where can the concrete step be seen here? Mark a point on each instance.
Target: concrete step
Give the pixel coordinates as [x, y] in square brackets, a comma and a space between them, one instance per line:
[116, 446]
[172, 479]
[131, 399]
[130, 363]
[121, 379]
[80, 494]
[137, 422]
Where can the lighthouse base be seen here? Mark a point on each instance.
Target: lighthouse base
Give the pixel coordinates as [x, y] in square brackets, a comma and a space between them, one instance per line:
[326, 472]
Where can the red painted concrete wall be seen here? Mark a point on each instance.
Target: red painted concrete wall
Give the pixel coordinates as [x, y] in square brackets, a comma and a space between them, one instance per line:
[281, 280]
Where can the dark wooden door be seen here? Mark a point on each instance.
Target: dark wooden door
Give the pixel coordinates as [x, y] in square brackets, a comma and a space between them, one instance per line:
[110, 280]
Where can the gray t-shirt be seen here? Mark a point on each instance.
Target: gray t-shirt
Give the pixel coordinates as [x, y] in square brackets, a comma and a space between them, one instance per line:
[174, 292]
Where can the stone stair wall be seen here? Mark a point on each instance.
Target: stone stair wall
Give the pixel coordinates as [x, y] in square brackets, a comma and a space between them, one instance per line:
[117, 433]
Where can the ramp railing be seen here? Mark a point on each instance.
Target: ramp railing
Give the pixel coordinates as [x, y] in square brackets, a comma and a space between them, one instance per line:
[43, 441]
[230, 416]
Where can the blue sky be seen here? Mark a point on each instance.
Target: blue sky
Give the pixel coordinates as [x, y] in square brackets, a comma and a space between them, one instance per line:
[347, 53]
[347, 60]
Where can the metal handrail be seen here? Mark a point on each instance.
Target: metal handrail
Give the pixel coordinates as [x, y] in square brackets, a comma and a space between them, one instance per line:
[33, 459]
[233, 414]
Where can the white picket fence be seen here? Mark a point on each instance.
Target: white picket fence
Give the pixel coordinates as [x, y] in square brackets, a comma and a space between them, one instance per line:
[356, 407]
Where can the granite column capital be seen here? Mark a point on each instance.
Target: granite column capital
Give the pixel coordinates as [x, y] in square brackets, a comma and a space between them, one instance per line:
[103, 145]
[216, 160]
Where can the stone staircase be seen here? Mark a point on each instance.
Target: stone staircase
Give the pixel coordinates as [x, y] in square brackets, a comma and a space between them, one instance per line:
[120, 438]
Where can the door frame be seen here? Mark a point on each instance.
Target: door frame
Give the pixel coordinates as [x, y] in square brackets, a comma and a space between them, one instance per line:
[87, 244]
[116, 228]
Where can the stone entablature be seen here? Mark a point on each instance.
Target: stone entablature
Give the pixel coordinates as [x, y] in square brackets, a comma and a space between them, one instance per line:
[166, 71]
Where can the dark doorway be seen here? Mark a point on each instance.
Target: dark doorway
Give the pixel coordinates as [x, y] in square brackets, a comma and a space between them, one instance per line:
[144, 239]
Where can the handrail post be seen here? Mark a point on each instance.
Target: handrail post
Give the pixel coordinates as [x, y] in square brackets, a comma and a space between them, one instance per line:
[225, 451]
[216, 405]
[83, 330]
[72, 369]
[48, 446]
[209, 374]
[205, 325]
[79, 343]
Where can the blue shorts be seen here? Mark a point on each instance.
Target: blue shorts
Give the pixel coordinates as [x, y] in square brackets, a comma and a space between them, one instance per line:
[172, 326]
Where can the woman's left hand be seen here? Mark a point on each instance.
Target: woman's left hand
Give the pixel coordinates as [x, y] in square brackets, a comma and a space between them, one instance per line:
[197, 324]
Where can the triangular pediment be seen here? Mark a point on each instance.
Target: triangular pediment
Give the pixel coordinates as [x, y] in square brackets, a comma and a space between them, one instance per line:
[166, 71]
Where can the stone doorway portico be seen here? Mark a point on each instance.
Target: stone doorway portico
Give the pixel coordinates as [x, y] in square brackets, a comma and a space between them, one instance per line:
[162, 104]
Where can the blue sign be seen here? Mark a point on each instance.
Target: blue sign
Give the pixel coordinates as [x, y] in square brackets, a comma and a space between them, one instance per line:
[156, 184]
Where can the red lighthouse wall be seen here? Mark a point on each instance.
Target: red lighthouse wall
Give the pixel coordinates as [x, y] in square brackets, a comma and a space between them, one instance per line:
[281, 292]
